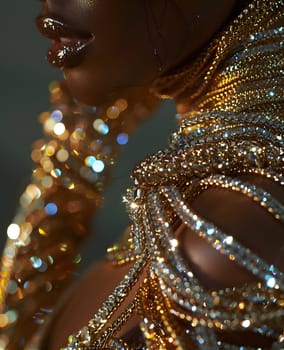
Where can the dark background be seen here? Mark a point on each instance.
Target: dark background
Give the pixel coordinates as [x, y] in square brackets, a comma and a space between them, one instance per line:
[25, 76]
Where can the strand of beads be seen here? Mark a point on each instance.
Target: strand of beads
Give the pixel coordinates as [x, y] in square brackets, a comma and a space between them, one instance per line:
[72, 166]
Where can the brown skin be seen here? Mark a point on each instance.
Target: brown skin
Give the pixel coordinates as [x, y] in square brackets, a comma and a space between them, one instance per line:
[122, 54]
[121, 58]
[235, 213]
[246, 221]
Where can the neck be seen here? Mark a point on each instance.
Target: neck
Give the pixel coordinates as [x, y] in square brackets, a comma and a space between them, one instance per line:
[205, 84]
[249, 79]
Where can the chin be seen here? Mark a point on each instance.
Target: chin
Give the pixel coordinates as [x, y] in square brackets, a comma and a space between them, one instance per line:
[88, 91]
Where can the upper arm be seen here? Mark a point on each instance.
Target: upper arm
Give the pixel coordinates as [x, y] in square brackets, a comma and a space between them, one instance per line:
[241, 217]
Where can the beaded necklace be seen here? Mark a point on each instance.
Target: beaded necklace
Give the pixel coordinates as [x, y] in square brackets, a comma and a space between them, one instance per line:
[234, 126]
[72, 165]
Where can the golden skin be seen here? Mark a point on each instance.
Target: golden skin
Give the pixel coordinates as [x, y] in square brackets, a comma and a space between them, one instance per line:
[120, 60]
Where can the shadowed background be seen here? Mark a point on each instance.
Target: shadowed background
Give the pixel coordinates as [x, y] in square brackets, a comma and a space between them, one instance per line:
[25, 76]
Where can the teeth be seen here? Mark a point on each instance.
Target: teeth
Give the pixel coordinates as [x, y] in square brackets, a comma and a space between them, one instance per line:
[65, 40]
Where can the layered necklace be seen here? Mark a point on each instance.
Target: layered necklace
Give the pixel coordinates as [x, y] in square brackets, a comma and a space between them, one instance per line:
[234, 126]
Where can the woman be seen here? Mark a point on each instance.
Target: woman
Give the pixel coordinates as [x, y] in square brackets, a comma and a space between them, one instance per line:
[200, 269]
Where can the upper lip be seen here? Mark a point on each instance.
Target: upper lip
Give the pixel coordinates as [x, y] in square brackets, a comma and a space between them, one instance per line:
[56, 29]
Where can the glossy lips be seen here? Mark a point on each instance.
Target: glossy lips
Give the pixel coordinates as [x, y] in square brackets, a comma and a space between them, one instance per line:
[68, 46]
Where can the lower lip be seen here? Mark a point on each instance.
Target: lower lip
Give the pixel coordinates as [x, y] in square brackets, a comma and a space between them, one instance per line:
[69, 53]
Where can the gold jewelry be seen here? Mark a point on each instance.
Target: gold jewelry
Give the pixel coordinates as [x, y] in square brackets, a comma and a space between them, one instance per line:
[193, 79]
[234, 126]
[71, 168]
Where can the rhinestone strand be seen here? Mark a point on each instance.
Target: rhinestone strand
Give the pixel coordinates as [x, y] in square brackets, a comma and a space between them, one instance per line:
[72, 165]
[234, 126]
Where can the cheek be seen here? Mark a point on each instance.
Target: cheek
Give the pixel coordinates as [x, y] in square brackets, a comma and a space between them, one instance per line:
[108, 70]
[121, 55]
